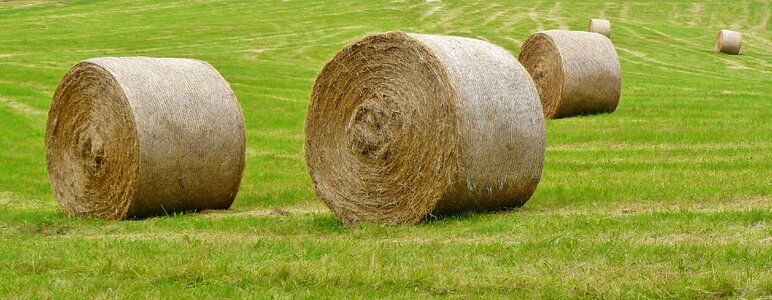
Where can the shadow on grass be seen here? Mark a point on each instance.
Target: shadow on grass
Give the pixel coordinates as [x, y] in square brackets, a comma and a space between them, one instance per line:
[467, 216]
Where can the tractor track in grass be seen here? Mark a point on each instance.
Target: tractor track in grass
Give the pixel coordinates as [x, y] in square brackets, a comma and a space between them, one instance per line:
[657, 147]
[20, 107]
[691, 47]
[751, 235]
[554, 15]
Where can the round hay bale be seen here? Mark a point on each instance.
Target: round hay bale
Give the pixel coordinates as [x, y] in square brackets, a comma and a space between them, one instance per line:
[728, 42]
[404, 125]
[600, 26]
[136, 137]
[575, 72]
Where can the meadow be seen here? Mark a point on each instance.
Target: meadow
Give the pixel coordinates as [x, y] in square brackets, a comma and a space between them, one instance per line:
[668, 197]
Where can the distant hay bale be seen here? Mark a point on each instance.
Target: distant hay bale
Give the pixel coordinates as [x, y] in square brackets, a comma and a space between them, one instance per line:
[728, 42]
[137, 137]
[404, 125]
[600, 26]
[575, 72]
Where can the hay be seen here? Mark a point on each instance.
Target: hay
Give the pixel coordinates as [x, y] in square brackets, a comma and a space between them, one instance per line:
[404, 125]
[600, 26]
[137, 137]
[575, 72]
[728, 42]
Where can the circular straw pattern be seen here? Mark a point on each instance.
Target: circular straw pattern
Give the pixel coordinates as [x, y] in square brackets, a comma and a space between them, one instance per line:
[575, 72]
[136, 137]
[728, 42]
[404, 125]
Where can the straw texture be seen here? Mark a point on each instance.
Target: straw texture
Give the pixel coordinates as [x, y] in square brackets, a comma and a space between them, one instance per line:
[575, 72]
[404, 125]
[728, 42]
[137, 137]
[600, 26]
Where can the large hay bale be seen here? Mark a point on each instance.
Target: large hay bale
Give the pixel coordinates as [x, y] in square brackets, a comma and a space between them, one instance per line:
[136, 137]
[728, 42]
[575, 72]
[403, 125]
[600, 26]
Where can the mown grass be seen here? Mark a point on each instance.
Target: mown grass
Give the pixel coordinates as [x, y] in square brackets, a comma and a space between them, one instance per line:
[668, 197]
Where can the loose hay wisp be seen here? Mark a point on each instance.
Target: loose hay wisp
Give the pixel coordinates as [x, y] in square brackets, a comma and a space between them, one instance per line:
[136, 137]
[404, 125]
[575, 72]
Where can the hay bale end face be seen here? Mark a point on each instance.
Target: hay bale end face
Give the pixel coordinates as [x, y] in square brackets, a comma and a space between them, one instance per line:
[728, 42]
[575, 72]
[136, 137]
[404, 125]
[600, 26]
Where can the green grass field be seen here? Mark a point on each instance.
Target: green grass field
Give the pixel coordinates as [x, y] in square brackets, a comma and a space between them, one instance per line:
[668, 197]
